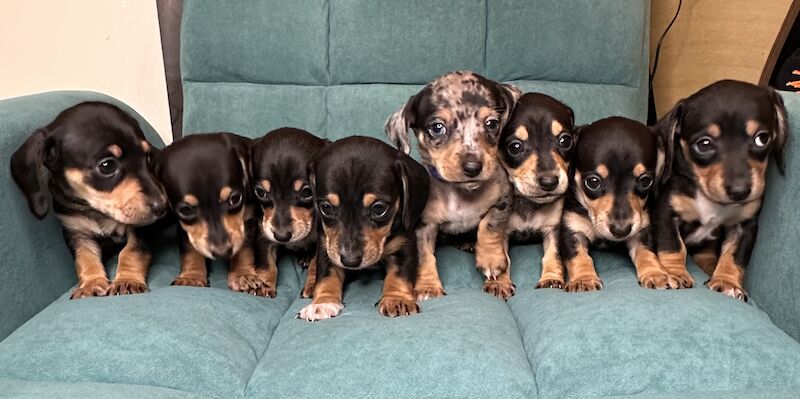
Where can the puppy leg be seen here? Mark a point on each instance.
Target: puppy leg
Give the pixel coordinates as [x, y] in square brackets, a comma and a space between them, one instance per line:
[266, 258]
[671, 249]
[311, 279]
[648, 269]
[327, 300]
[428, 284]
[193, 265]
[491, 254]
[92, 278]
[552, 269]
[574, 251]
[242, 275]
[728, 277]
[707, 256]
[398, 293]
[134, 261]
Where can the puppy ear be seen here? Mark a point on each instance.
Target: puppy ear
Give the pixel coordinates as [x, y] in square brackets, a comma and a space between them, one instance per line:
[667, 131]
[510, 94]
[397, 125]
[241, 146]
[29, 169]
[414, 193]
[571, 115]
[781, 130]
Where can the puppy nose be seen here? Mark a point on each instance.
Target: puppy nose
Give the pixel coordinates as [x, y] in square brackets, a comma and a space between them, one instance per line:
[222, 253]
[619, 229]
[548, 183]
[159, 207]
[738, 192]
[472, 168]
[351, 260]
[282, 236]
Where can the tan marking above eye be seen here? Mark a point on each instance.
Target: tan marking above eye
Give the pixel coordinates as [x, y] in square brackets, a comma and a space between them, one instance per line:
[602, 170]
[521, 133]
[225, 193]
[190, 199]
[369, 199]
[333, 199]
[265, 184]
[145, 146]
[639, 169]
[115, 150]
[752, 127]
[444, 114]
[556, 128]
[298, 184]
[714, 130]
[486, 112]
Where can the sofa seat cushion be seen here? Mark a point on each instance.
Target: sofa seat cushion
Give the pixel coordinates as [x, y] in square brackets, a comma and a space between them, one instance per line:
[21, 389]
[199, 340]
[627, 339]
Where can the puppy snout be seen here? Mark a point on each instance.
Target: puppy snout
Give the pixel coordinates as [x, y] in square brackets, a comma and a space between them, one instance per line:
[351, 260]
[282, 235]
[737, 191]
[472, 166]
[620, 229]
[548, 182]
[222, 252]
[159, 207]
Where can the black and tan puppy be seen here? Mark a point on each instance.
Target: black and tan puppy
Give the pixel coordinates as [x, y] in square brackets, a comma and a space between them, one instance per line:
[370, 198]
[723, 136]
[281, 186]
[617, 166]
[207, 182]
[92, 160]
[457, 120]
[536, 146]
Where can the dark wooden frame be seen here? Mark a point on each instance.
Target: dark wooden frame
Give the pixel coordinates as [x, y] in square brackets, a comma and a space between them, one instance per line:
[169, 23]
[777, 53]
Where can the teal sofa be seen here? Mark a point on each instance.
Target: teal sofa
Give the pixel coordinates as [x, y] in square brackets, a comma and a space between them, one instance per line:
[338, 68]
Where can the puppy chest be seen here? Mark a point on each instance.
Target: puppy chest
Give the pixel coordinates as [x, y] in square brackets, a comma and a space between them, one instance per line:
[709, 216]
[461, 217]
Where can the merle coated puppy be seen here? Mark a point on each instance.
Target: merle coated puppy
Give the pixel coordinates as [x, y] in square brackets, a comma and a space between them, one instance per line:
[370, 198]
[612, 188]
[92, 160]
[536, 146]
[457, 119]
[206, 177]
[723, 136]
[281, 186]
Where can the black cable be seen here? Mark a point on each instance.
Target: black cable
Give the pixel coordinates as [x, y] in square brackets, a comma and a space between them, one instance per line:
[651, 117]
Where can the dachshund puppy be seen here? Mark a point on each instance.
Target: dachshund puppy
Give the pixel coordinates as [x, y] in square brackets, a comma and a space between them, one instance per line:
[723, 136]
[370, 198]
[611, 188]
[457, 120]
[207, 183]
[535, 149]
[280, 183]
[92, 160]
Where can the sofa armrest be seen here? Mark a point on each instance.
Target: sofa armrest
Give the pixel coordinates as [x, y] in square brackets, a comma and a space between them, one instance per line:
[35, 264]
[773, 275]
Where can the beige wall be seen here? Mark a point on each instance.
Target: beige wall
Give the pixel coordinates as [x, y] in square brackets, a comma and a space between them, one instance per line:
[110, 46]
[711, 40]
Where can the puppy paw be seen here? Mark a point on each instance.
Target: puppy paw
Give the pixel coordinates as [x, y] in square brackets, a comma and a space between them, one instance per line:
[249, 283]
[500, 289]
[730, 288]
[394, 307]
[191, 281]
[491, 265]
[320, 311]
[585, 284]
[467, 246]
[305, 261]
[682, 277]
[659, 281]
[122, 286]
[266, 290]
[308, 291]
[423, 293]
[96, 287]
[550, 283]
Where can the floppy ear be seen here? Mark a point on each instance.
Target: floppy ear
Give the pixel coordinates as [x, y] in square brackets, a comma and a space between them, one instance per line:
[397, 125]
[28, 167]
[509, 94]
[241, 146]
[667, 130]
[414, 194]
[782, 130]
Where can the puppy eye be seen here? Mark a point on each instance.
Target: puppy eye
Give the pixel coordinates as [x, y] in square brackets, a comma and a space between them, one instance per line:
[379, 209]
[235, 199]
[762, 139]
[515, 148]
[644, 183]
[492, 124]
[325, 208]
[704, 146]
[107, 167]
[186, 211]
[260, 193]
[593, 183]
[306, 194]
[437, 129]
[565, 141]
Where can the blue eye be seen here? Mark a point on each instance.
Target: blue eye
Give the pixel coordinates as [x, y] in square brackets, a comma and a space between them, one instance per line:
[437, 129]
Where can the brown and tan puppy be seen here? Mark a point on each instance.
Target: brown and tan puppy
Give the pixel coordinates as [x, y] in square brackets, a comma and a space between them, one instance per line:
[723, 136]
[281, 186]
[457, 120]
[535, 148]
[207, 182]
[92, 160]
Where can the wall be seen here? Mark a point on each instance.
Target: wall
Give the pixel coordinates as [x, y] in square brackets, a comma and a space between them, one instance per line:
[110, 46]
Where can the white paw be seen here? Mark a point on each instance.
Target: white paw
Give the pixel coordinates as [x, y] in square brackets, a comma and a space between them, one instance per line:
[320, 311]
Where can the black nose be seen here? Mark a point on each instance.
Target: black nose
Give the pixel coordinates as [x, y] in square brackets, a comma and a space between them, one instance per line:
[282, 236]
[159, 208]
[472, 168]
[351, 261]
[738, 192]
[620, 230]
[548, 183]
[222, 253]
